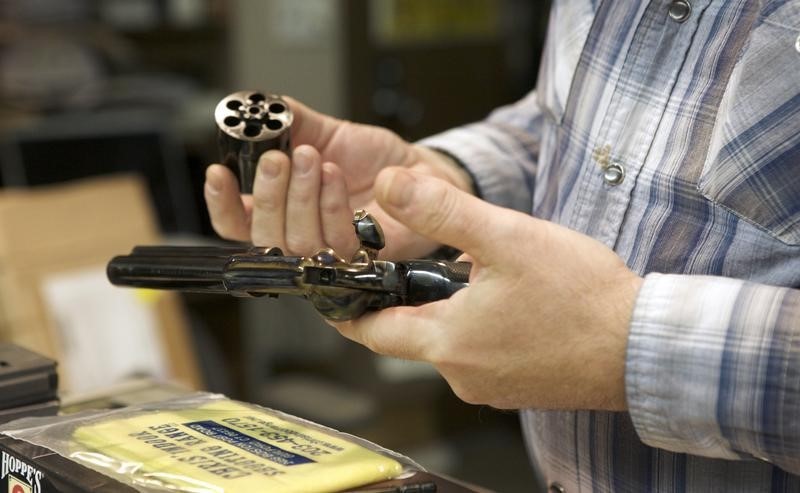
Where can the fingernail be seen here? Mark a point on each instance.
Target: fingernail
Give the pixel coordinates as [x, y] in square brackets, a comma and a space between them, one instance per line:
[268, 168]
[213, 184]
[302, 162]
[400, 189]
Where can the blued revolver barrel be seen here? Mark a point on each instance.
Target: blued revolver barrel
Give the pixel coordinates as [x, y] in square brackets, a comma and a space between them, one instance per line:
[199, 269]
[231, 270]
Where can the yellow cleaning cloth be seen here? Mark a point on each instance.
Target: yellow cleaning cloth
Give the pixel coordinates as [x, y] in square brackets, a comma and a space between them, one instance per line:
[228, 447]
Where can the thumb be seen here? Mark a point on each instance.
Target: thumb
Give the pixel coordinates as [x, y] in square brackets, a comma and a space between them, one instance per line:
[439, 211]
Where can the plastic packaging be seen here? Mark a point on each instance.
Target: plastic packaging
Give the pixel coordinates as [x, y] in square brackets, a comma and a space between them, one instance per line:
[207, 443]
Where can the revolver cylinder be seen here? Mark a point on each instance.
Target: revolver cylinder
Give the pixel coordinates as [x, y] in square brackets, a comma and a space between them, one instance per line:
[250, 123]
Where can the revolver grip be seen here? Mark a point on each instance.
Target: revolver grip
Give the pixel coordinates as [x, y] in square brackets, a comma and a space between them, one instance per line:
[433, 280]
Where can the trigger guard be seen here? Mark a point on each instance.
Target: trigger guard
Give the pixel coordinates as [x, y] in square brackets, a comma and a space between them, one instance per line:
[341, 306]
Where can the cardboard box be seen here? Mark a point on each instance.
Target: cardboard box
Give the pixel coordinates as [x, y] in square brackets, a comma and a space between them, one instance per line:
[28, 468]
[54, 244]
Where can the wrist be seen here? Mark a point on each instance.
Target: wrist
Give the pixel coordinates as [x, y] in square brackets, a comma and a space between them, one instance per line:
[447, 168]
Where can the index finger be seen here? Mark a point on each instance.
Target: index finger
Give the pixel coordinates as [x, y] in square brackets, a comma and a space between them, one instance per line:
[226, 208]
[406, 332]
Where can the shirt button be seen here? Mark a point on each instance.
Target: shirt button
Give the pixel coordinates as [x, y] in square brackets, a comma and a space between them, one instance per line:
[556, 488]
[680, 10]
[614, 174]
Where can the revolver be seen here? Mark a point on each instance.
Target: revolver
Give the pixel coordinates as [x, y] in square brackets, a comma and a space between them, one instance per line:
[248, 124]
[338, 289]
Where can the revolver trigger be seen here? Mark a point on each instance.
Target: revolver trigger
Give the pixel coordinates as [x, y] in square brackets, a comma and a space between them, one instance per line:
[361, 257]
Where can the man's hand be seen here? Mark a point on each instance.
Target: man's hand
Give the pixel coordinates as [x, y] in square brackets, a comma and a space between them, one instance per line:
[544, 322]
[306, 203]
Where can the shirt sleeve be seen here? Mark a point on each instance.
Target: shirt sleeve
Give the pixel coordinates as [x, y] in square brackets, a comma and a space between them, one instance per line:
[500, 152]
[713, 368]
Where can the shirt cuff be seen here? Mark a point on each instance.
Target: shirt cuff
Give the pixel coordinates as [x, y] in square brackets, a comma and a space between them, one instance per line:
[483, 150]
[700, 361]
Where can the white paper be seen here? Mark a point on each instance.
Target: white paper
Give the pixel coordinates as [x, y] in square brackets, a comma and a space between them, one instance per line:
[107, 333]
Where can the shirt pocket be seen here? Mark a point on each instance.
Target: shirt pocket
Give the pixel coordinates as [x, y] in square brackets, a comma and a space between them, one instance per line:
[568, 27]
[753, 163]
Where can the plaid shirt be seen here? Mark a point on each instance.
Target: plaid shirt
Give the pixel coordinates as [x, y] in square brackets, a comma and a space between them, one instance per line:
[671, 134]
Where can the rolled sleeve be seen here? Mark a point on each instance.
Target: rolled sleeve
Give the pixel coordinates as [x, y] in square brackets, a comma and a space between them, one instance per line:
[713, 368]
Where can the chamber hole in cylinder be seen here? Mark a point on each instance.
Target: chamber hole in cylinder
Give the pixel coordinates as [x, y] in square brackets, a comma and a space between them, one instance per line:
[252, 130]
[232, 121]
[277, 108]
[274, 124]
[257, 97]
[233, 104]
[254, 109]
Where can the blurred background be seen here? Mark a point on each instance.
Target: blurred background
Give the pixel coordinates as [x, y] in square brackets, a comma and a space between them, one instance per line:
[98, 89]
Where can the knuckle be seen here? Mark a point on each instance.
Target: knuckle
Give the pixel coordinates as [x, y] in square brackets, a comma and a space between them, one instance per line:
[448, 357]
[463, 392]
[384, 133]
[302, 191]
[330, 207]
[375, 344]
[446, 212]
[266, 201]
[345, 329]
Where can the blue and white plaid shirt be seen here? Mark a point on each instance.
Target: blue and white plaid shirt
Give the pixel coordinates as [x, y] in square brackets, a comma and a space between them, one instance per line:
[670, 132]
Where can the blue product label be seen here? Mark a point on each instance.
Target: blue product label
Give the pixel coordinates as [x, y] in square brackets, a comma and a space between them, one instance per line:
[255, 446]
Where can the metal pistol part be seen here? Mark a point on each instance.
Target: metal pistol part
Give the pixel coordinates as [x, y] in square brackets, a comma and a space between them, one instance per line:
[250, 123]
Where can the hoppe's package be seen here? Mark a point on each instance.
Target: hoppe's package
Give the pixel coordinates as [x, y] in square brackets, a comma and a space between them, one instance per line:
[206, 443]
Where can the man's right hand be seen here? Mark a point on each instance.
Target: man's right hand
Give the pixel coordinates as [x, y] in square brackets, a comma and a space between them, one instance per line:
[306, 203]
